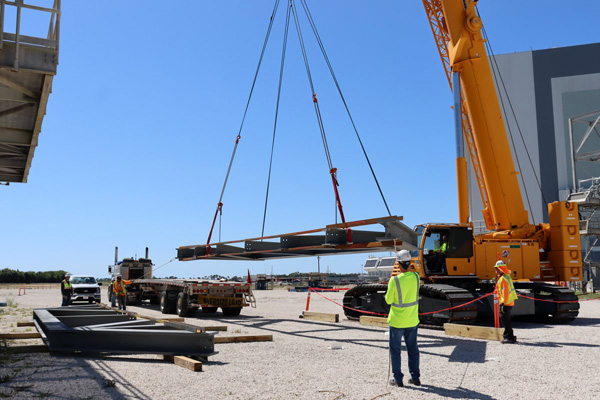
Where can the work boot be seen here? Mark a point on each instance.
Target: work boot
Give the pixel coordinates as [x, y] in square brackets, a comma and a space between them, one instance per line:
[394, 383]
[415, 382]
[509, 341]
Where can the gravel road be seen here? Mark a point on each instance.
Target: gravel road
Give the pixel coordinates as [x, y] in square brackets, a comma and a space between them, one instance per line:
[551, 361]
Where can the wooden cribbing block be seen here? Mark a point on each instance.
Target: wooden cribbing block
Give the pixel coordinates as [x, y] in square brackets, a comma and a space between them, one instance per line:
[185, 362]
[167, 319]
[476, 332]
[24, 335]
[25, 323]
[214, 328]
[42, 348]
[243, 339]
[317, 316]
[374, 321]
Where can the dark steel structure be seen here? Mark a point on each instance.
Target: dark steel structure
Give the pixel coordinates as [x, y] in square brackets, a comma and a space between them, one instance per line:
[92, 329]
[337, 239]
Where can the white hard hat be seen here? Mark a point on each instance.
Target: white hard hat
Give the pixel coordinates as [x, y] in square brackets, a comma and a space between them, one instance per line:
[403, 256]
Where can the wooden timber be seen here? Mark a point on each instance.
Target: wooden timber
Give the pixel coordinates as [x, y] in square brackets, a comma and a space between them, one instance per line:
[215, 328]
[475, 332]
[316, 316]
[25, 323]
[21, 335]
[185, 362]
[243, 339]
[42, 348]
[374, 321]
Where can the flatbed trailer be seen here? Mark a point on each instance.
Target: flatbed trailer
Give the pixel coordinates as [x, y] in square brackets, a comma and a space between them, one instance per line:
[180, 296]
[185, 296]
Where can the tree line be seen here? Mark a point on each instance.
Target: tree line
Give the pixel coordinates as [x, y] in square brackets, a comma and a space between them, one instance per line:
[8, 275]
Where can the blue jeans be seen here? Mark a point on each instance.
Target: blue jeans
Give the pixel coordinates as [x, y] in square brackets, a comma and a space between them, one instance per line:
[66, 300]
[410, 339]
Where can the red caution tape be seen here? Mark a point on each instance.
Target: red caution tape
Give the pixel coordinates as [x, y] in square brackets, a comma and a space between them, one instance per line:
[558, 301]
[385, 315]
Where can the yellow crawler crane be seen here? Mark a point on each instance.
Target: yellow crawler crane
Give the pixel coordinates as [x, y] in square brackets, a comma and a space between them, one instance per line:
[463, 269]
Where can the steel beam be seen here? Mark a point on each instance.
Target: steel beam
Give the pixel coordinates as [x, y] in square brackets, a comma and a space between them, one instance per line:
[338, 239]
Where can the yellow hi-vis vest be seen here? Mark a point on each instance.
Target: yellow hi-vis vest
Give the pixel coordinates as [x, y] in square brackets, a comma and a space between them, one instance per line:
[506, 291]
[67, 285]
[119, 288]
[403, 297]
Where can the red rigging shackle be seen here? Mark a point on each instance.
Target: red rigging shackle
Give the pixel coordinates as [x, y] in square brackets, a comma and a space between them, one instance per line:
[314, 97]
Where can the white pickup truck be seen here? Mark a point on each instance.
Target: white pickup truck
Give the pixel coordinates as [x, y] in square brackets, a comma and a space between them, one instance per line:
[85, 288]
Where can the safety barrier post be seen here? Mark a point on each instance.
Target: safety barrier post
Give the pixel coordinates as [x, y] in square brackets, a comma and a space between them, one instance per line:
[308, 299]
[19, 291]
[496, 310]
[24, 289]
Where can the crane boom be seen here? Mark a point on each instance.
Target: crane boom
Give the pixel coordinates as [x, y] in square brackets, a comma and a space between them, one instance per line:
[466, 54]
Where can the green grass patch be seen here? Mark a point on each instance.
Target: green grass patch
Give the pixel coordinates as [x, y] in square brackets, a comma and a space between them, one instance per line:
[588, 296]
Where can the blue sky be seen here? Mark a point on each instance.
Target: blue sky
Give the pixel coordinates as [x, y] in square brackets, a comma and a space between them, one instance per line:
[149, 97]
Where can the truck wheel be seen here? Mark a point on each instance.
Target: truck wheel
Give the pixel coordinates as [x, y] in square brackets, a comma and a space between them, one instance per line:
[182, 305]
[232, 311]
[209, 310]
[166, 304]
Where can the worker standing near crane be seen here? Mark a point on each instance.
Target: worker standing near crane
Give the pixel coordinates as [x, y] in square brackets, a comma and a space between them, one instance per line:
[120, 292]
[66, 290]
[506, 296]
[403, 297]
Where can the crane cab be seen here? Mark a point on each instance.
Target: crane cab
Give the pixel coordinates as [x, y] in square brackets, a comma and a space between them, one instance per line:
[445, 250]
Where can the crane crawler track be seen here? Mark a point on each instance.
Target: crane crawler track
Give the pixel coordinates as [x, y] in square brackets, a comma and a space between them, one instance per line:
[440, 297]
[368, 299]
[555, 312]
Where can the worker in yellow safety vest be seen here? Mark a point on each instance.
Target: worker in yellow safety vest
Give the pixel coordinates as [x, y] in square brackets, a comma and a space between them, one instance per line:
[403, 297]
[120, 292]
[66, 290]
[507, 295]
[444, 245]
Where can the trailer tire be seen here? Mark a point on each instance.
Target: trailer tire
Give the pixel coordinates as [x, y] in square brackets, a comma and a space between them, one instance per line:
[166, 304]
[182, 305]
[232, 311]
[209, 310]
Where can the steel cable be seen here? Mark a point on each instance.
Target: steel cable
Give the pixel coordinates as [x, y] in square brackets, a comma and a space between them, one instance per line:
[326, 57]
[283, 52]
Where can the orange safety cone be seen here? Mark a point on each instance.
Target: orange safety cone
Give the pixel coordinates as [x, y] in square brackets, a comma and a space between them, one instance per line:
[308, 299]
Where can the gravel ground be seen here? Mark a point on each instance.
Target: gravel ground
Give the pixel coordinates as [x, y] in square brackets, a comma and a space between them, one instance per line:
[550, 361]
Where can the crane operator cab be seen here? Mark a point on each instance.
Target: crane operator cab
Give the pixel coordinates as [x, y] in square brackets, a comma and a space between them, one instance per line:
[441, 245]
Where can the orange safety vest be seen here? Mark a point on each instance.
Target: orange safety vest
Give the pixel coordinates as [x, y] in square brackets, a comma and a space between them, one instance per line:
[119, 288]
[506, 290]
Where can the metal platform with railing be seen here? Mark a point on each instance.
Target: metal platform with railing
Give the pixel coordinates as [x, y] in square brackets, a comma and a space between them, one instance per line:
[28, 64]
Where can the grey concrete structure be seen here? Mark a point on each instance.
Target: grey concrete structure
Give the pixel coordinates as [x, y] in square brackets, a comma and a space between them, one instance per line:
[539, 91]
